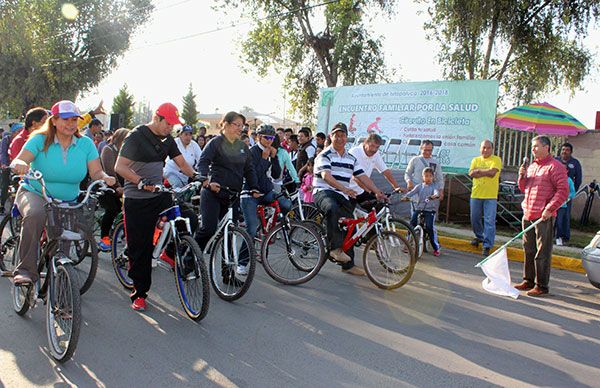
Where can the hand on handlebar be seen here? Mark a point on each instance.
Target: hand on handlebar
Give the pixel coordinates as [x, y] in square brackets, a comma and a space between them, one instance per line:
[256, 194]
[214, 187]
[350, 193]
[405, 199]
[110, 180]
[19, 167]
[400, 190]
[381, 196]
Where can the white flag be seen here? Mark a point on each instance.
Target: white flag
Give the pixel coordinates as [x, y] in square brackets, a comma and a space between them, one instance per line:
[498, 281]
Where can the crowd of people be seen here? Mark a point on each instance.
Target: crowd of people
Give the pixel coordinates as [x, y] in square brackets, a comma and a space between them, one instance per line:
[66, 146]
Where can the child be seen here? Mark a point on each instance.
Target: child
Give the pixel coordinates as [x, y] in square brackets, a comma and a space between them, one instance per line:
[563, 215]
[427, 194]
[307, 181]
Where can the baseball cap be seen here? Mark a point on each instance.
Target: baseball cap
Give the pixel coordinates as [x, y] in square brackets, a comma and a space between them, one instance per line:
[65, 109]
[170, 113]
[15, 127]
[187, 128]
[340, 127]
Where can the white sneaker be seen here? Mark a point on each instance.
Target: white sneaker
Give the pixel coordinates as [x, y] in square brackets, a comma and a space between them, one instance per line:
[242, 270]
[340, 256]
[559, 242]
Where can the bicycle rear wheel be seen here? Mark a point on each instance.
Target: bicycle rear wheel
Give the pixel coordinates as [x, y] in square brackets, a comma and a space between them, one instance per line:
[118, 253]
[191, 279]
[9, 243]
[293, 254]
[224, 257]
[388, 261]
[63, 312]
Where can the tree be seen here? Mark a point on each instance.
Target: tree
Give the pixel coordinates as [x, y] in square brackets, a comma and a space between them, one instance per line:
[48, 53]
[123, 104]
[531, 47]
[190, 112]
[142, 113]
[314, 44]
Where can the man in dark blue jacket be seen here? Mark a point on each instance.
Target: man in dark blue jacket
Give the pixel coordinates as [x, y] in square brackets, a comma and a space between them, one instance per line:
[562, 225]
[266, 168]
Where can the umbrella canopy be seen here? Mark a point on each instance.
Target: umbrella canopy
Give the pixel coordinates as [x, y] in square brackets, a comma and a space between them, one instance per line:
[542, 118]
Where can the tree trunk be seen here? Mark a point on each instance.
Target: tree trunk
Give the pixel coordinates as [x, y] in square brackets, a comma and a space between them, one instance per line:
[490, 45]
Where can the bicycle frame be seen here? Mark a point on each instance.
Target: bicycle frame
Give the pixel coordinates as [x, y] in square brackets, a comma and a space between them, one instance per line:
[223, 227]
[268, 224]
[173, 218]
[372, 220]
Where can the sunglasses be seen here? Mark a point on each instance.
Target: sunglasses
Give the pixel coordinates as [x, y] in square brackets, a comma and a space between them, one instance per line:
[269, 137]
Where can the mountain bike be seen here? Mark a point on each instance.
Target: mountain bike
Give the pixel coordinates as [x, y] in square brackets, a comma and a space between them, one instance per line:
[57, 286]
[191, 276]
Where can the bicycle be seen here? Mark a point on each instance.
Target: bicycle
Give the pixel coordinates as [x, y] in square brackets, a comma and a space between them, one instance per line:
[57, 286]
[421, 236]
[85, 270]
[303, 246]
[191, 275]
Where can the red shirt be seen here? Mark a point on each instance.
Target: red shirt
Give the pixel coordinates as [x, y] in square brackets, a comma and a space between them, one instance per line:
[17, 144]
[545, 186]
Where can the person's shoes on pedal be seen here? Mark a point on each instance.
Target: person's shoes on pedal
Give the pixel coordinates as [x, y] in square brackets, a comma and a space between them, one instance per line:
[104, 244]
[356, 271]
[241, 270]
[340, 256]
[139, 304]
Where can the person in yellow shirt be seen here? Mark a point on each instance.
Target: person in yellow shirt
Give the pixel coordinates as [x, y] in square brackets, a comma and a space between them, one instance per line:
[485, 171]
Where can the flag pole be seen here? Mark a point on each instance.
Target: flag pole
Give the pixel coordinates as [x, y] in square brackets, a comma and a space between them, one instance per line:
[521, 233]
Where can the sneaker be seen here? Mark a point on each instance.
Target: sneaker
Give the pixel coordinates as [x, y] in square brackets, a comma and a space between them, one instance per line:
[139, 304]
[436, 252]
[241, 270]
[475, 242]
[340, 256]
[559, 242]
[104, 244]
[167, 259]
[356, 271]
[486, 252]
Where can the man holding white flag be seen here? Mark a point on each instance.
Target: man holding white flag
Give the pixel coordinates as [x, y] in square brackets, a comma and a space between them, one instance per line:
[544, 183]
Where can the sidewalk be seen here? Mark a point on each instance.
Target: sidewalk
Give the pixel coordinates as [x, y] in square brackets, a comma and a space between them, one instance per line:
[568, 258]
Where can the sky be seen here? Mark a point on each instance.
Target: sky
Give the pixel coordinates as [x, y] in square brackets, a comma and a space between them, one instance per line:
[160, 65]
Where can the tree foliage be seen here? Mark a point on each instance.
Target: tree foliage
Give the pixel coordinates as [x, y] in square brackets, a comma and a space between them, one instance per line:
[123, 104]
[313, 45]
[45, 56]
[531, 46]
[190, 111]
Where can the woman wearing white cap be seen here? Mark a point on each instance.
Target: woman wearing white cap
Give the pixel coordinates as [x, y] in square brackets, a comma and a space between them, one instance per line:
[64, 158]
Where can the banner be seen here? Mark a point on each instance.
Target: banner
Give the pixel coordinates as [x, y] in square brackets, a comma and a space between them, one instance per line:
[455, 115]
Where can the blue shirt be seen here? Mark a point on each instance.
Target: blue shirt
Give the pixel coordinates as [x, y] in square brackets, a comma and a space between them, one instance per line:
[573, 170]
[63, 170]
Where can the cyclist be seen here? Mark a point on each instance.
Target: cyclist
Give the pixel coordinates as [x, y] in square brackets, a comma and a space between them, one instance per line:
[226, 161]
[191, 152]
[428, 194]
[111, 202]
[34, 119]
[64, 158]
[140, 163]
[370, 159]
[334, 168]
[266, 166]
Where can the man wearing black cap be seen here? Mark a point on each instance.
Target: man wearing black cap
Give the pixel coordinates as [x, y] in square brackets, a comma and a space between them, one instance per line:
[333, 171]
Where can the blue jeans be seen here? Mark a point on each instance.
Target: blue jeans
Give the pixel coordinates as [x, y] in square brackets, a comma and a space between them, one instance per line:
[249, 205]
[429, 217]
[483, 220]
[563, 222]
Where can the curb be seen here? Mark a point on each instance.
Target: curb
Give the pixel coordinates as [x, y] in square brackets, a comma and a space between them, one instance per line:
[514, 254]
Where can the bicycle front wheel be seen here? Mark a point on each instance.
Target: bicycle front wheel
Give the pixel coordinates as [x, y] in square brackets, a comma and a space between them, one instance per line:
[119, 258]
[407, 231]
[191, 278]
[63, 312]
[232, 263]
[388, 260]
[293, 254]
[84, 268]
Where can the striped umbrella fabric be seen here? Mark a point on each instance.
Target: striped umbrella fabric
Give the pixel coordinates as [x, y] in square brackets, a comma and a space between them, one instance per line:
[541, 118]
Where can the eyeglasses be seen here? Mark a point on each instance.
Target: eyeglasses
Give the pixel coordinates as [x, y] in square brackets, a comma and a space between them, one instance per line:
[269, 137]
[237, 125]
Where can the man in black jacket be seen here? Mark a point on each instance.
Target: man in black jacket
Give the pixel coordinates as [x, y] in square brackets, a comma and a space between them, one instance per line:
[266, 167]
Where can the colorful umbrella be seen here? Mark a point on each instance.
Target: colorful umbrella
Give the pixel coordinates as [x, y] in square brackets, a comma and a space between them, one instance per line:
[542, 118]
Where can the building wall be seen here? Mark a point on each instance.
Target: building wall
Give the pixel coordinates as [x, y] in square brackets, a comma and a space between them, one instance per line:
[586, 148]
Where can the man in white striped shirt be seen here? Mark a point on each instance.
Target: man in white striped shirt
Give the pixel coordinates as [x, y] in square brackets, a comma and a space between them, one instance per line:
[333, 170]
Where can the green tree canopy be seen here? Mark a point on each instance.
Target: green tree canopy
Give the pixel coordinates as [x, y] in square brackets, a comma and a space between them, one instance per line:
[313, 44]
[45, 56]
[190, 111]
[123, 103]
[531, 47]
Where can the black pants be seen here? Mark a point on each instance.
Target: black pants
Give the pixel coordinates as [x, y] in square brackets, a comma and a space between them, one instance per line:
[4, 184]
[140, 219]
[111, 203]
[335, 206]
[213, 207]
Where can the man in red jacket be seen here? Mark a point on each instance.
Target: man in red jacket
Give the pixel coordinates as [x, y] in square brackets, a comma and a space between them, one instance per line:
[546, 188]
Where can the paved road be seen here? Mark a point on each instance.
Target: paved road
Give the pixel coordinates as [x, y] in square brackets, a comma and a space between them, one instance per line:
[338, 330]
